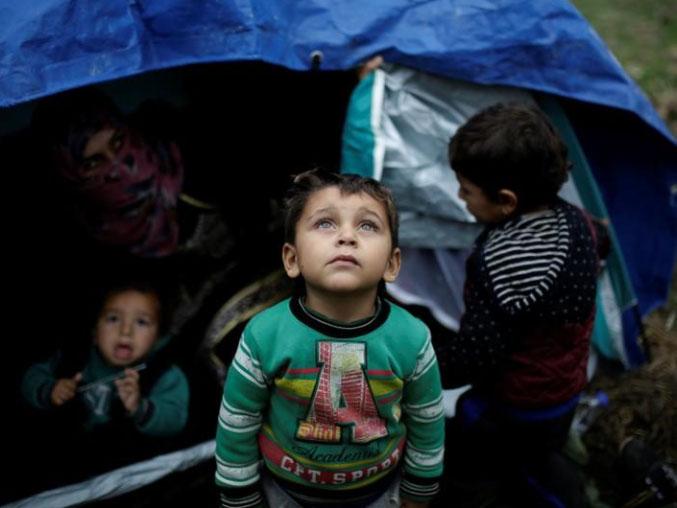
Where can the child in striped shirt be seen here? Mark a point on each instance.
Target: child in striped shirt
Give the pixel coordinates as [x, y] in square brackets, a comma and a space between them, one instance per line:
[336, 389]
[529, 297]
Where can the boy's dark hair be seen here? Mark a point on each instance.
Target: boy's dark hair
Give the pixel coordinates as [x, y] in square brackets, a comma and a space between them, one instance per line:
[515, 147]
[309, 182]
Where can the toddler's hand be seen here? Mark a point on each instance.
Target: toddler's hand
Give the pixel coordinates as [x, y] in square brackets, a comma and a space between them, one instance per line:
[64, 390]
[128, 390]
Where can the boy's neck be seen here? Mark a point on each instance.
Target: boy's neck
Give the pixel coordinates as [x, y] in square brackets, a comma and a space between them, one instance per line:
[525, 214]
[344, 308]
[535, 210]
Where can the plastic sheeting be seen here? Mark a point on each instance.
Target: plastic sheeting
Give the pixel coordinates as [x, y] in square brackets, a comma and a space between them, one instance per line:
[412, 115]
[433, 278]
[50, 45]
[119, 481]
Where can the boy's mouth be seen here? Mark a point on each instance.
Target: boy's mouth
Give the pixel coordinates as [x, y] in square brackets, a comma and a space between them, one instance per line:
[344, 259]
[122, 352]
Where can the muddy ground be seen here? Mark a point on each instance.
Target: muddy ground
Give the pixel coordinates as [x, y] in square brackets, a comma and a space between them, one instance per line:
[643, 404]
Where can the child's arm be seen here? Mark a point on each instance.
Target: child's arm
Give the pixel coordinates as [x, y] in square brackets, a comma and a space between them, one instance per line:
[423, 415]
[165, 411]
[42, 390]
[245, 396]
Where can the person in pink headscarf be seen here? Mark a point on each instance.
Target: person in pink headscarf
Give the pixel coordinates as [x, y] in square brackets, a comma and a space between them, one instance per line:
[131, 202]
[125, 190]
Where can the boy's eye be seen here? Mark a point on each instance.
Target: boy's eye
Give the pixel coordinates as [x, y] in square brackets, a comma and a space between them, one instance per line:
[324, 224]
[368, 226]
[143, 322]
[111, 318]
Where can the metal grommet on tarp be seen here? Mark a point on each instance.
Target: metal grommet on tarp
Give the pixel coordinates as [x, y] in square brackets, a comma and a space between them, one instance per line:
[316, 58]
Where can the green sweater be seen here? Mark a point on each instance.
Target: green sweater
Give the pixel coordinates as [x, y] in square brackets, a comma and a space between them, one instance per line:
[331, 408]
[162, 412]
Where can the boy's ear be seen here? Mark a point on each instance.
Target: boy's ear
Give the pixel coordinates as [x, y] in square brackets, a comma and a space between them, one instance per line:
[393, 266]
[290, 261]
[507, 199]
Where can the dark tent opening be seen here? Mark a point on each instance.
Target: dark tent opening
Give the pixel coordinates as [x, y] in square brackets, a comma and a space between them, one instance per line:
[243, 129]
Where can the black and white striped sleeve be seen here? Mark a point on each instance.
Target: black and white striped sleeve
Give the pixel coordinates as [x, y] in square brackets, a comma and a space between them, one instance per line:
[512, 273]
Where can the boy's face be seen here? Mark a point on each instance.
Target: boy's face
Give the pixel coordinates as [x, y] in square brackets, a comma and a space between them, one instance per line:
[127, 327]
[483, 208]
[343, 244]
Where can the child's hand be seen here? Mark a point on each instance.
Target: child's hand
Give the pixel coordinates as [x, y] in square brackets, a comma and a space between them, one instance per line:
[64, 390]
[128, 390]
[369, 66]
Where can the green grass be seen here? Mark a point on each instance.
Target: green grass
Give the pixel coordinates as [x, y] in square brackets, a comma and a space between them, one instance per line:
[643, 36]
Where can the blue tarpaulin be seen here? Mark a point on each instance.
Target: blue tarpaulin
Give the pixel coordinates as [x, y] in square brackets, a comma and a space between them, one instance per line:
[52, 45]
[47, 46]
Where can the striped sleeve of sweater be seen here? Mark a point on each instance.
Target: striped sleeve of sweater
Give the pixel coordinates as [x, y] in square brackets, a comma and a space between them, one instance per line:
[524, 259]
[245, 397]
[511, 274]
[423, 415]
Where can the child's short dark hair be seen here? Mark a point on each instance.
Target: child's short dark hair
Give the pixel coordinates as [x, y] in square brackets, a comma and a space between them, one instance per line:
[511, 146]
[309, 182]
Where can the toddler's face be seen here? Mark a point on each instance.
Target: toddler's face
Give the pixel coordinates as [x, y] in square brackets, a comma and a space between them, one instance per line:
[478, 203]
[127, 327]
[343, 243]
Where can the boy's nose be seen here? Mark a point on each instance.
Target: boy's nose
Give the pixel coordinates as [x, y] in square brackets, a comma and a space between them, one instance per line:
[346, 237]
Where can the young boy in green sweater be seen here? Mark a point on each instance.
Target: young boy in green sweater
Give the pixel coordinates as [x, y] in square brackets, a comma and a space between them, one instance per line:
[337, 389]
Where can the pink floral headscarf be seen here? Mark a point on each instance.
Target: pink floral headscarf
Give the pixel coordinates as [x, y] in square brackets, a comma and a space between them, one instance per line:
[129, 202]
